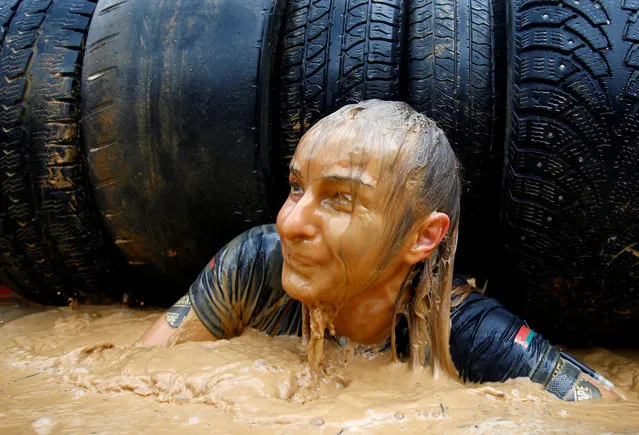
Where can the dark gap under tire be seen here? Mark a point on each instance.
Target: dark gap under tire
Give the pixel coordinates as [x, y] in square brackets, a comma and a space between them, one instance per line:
[455, 64]
[50, 246]
[333, 53]
[571, 191]
[176, 130]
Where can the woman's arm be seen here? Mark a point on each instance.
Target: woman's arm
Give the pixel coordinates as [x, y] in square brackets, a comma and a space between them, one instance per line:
[490, 344]
[572, 380]
[177, 325]
[228, 294]
[587, 388]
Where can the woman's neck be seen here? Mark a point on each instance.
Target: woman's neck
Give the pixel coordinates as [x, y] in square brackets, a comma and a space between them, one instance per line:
[367, 318]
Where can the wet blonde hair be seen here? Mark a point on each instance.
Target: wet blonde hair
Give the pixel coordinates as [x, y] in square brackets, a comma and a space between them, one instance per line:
[421, 164]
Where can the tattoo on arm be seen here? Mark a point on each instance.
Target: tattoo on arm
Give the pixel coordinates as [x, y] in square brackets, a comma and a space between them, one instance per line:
[178, 312]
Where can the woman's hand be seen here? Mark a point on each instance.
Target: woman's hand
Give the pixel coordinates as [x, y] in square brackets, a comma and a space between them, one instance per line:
[587, 388]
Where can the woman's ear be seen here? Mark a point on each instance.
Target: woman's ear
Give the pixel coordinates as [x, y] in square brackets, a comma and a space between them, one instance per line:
[426, 236]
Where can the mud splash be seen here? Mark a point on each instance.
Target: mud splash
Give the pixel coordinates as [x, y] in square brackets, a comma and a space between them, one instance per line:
[78, 371]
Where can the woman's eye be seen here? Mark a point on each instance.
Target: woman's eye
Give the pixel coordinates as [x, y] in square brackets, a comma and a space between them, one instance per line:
[343, 200]
[296, 189]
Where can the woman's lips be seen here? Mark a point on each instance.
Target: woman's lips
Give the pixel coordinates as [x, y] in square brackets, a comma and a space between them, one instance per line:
[298, 261]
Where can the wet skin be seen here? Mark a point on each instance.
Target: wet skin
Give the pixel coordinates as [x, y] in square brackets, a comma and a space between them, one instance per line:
[331, 229]
[332, 226]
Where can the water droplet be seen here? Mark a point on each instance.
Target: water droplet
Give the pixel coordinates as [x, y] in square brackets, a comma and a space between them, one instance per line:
[545, 16]
[522, 238]
[562, 67]
[549, 218]
[570, 42]
[43, 421]
[399, 415]
[43, 425]
[581, 159]
[539, 164]
[560, 198]
[551, 134]
[78, 392]
[317, 421]
[193, 420]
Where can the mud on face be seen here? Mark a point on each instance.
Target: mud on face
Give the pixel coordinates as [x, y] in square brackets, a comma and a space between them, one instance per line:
[361, 180]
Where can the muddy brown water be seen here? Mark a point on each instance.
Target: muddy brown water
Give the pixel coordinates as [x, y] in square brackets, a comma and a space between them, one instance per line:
[77, 371]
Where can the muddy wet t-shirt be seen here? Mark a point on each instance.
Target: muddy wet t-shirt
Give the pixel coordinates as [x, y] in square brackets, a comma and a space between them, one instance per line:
[242, 287]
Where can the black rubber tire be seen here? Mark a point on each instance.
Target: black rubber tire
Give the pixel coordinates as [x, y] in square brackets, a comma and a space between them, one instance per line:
[8, 9]
[50, 247]
[571, 191]
[333, 53]
[176, 129]
[446, 58]
[455, 75]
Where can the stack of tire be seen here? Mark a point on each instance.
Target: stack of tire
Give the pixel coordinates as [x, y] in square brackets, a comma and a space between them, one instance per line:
[137, 137]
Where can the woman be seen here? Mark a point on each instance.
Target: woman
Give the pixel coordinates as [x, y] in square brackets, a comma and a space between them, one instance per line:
[364, 246]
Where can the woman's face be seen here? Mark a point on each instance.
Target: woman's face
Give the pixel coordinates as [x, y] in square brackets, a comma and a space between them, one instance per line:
[332, 223]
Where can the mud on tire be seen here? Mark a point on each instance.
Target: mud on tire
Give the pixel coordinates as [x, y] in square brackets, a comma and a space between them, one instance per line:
[335, 53]
[571, 191]
[455, 75]
[50, 248]
[175, 124]
[445, 58]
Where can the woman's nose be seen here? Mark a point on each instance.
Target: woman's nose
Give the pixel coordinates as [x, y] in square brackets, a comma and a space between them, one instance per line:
[298, 223]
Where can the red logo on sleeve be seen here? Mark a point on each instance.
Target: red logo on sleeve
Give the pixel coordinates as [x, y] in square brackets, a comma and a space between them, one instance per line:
[524, 336]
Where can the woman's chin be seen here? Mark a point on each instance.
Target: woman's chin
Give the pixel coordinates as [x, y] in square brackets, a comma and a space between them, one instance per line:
[302, 294]
[299, 288]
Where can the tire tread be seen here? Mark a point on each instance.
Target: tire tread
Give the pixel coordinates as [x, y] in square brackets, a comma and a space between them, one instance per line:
[50, 248]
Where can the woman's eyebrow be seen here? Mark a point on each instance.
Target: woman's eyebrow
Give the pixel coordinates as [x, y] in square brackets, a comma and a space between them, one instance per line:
[354, 178]
[336, 177]
[293, 170]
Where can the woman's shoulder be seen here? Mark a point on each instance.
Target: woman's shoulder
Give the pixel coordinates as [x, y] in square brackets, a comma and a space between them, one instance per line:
[262, 241]
[491, 344]
[256, 235]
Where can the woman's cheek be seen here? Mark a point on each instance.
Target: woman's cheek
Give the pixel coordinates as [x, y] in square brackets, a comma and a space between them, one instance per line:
[337, 228]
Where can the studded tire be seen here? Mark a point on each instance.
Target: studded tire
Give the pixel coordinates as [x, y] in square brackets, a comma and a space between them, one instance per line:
[571, 191]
